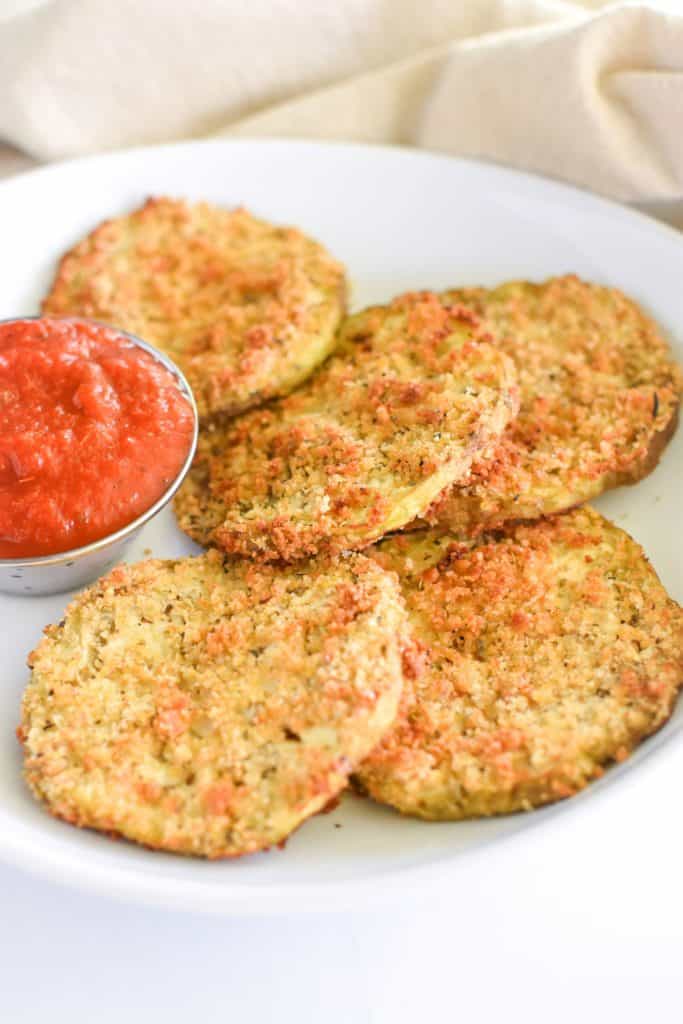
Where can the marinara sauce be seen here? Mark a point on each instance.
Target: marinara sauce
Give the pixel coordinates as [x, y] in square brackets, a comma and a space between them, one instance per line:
[93, 430]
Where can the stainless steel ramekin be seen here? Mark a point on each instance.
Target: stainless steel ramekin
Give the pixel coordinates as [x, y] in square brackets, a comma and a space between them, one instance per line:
[68, 570]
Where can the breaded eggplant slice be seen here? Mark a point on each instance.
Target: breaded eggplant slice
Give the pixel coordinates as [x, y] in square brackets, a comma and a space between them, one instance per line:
[549, 651]
[209, 708]
[599, 401]
[414, 391]
[247, 309]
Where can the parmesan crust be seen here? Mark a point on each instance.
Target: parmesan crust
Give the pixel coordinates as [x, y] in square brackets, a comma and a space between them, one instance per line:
[548, 651]
[415, 390]
[246, 309]
[209, 708]
[599, 401]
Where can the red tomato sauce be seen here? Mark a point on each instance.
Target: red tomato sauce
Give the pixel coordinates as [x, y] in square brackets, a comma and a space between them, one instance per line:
[93, 430]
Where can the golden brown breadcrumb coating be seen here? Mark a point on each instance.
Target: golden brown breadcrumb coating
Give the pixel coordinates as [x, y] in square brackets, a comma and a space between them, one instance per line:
[414, 391]
[207, 707]
[246, 309]
[549, 650]
[599, 401]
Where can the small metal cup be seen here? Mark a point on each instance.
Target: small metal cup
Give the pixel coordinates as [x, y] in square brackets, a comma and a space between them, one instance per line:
[67, 570]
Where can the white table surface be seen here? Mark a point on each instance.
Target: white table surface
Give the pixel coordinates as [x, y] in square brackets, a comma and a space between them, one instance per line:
[579, 920]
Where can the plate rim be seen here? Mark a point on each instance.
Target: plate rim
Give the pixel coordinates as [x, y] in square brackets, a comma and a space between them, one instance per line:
[408, 153]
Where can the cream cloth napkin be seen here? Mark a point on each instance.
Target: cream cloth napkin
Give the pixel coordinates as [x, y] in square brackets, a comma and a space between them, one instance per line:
[587, 92]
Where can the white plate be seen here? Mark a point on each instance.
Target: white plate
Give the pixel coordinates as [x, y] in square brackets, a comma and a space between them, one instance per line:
[399, 220]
